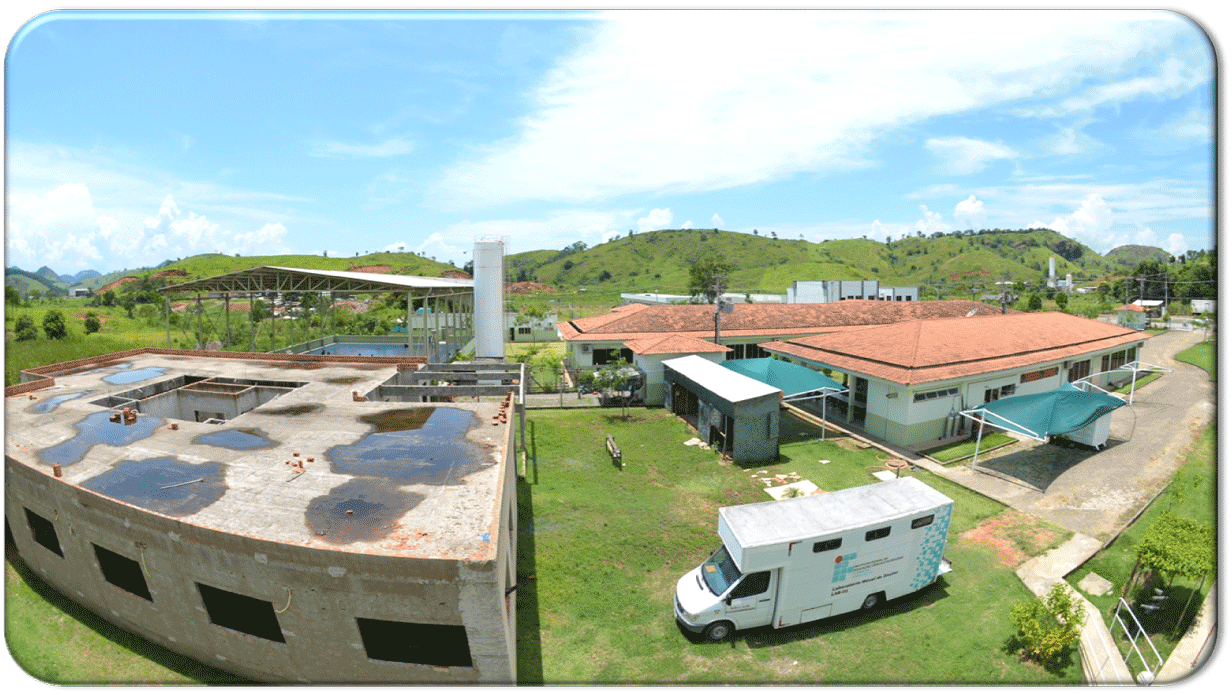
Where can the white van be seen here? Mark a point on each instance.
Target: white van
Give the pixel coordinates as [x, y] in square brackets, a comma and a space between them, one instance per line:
[801, 559]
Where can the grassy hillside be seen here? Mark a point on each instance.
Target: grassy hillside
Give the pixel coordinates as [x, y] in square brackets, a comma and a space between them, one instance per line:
[659, 261]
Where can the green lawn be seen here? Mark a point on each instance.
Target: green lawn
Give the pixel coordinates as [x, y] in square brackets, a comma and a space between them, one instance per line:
[961, 450]
[1191, 494]
[601, 550]
[1202, 355]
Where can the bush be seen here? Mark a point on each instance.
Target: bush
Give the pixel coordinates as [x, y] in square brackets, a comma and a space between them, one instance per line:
[25, 328]
[1035, 303]
[93, 325]
[53, 325]
[1048, 626]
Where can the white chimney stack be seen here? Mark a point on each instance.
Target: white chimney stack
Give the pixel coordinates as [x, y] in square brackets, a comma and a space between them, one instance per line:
[490, 300]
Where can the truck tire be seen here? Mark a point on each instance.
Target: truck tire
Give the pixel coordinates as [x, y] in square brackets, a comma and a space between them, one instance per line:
[717, 632]
[870, 601]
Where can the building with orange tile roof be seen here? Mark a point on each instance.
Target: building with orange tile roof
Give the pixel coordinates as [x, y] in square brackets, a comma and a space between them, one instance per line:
[907, 378]
[597, 340]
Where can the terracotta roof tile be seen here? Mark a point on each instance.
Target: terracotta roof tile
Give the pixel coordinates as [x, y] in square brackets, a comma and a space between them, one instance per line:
[916, 352]
[673, 344]
[635, 321]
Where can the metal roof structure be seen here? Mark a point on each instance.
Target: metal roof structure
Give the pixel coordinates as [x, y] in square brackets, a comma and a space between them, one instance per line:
[270, 278]
[724, 383]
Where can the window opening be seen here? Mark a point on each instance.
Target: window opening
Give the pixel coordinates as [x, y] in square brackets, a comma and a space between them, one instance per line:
[922, 521]
[823, 546]
[44, 532]
[877, 533]
[754, 584]
[415, 643]
[241, 613]
[122, 572]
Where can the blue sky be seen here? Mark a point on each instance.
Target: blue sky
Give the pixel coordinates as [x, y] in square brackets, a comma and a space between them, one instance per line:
[132, 138]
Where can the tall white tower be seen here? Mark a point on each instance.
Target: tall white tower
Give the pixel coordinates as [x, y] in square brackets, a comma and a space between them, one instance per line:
[490, 300]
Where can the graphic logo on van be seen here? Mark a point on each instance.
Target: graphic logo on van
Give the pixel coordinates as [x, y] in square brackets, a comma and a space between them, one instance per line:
[842, 565]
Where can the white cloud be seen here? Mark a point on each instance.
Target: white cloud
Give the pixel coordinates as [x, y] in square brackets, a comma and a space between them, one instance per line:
[931, 222]
[1091, 220]
[386, 148]
[716, 221]
[961, 155]
[436, 245]
[687, 224]
[803, 93]
[659, 218]
[1173, 77]
[969, 213]
[1069, 141]
[608, 236]
[555, 230]
[1177, 246]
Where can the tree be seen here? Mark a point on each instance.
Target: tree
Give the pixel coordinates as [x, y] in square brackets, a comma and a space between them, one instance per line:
[93, 325]
[1047, 626]
[11, 296]
[1035, 302]
[615, 380]
[1062, 300]
[708, 277]
[53, 325]
[25, 328]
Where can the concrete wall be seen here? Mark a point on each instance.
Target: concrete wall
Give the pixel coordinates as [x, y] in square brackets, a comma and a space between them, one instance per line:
[317, 593]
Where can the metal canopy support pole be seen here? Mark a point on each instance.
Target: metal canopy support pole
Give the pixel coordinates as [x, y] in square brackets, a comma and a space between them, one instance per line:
[823, 416]
[226, 302]
[252, 324]
[167, 312]
[979, 435]
[410, 313]
[200, 344]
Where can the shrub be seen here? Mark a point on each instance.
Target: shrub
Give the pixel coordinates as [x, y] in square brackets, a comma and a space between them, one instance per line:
[93, 325]
[1046, 627]
[25, 328]
[1035, 303]
[53, 325]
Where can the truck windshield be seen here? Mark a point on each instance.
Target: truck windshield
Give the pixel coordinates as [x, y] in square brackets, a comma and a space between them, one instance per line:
[719, 571]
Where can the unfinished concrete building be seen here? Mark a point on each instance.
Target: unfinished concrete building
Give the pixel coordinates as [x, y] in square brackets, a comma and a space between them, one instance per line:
[287, 518]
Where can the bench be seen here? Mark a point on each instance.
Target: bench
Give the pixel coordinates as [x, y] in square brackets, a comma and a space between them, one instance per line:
[614, 451]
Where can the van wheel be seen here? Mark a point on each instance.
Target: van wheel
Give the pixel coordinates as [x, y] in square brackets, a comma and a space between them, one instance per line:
[717, 632]
[870, 601]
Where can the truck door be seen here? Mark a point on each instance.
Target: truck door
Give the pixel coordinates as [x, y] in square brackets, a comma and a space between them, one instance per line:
[751, 602]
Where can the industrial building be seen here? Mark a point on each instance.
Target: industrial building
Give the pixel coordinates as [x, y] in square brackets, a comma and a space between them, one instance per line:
[288, 518]
[826, 291]
[909, 381]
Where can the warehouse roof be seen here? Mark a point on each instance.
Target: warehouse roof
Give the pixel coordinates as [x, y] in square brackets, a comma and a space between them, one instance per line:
[270, 278]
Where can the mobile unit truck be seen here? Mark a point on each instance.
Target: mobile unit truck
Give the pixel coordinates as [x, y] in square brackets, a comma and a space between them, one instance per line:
[805, 558]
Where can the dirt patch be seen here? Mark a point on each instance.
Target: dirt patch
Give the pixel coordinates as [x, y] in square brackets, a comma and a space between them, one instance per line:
[370, 268]
[528, 288]
[1015, 536]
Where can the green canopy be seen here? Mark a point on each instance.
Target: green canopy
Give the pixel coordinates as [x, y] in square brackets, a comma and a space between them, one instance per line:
[1042, 415]
[791, 379]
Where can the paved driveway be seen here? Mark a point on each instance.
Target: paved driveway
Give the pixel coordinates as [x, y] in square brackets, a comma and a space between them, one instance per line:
[1099, 493]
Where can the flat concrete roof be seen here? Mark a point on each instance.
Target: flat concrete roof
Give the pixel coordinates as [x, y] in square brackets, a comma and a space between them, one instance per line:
[390, 478]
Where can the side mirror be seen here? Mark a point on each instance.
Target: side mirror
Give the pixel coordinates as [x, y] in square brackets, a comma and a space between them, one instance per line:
[727, 599]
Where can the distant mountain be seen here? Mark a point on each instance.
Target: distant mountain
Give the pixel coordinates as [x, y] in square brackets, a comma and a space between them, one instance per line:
[48, 273]
[1131, 255]
[80, 277]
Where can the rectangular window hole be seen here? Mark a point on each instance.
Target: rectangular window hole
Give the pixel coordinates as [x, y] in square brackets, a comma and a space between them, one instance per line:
[832, 544]
[241, 613]
[922, 521]
[44, 532]
[877, 533]
[415, 643]
[122, 572]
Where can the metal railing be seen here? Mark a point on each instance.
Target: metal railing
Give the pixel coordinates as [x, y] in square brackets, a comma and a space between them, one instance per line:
[1133, 634]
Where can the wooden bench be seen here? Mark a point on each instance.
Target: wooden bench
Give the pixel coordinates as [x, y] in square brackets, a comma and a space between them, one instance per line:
[614, 451]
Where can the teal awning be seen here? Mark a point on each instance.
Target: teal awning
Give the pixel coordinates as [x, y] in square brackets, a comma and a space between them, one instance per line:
[1042, 415]
[791, 379]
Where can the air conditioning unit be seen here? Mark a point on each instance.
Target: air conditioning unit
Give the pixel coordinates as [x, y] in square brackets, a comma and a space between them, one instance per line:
[585, 348]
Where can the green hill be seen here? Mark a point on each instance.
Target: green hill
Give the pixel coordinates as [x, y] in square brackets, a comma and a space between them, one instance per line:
[1130, 255]
[658, 261]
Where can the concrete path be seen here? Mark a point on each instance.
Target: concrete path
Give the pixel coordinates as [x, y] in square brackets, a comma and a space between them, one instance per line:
[1098, 494]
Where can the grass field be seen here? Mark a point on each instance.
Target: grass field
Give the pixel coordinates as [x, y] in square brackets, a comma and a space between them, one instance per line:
[1202, 355]
[961, 450]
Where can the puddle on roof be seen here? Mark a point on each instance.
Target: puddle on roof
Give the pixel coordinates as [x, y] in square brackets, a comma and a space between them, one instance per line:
[243, 438]
[110, 365]
[134, 375]
[50, 404]
[97, 428]
[362, 509]
[413, 445]
[293, 409]
[164, 485]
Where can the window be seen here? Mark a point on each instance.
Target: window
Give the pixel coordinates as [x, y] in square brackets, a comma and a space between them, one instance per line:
[877, 533]
[44, 532]
[1080, 370]
[122, 572]
[241, 613]
[831, 544]
[922, 521]
[754, 584]
[1037, 375]
[523, 330]
[1008, 390]
[931, 395]
[1116, 360]
[415, 643]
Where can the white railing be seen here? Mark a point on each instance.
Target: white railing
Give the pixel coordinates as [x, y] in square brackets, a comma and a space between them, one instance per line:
[1133, 635]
